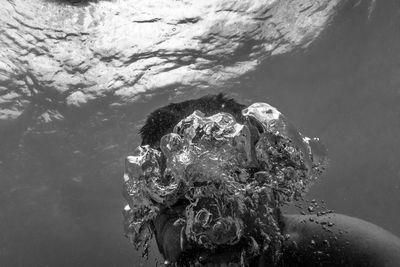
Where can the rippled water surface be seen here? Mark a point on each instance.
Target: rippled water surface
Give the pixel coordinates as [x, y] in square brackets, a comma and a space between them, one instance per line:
[60, 194]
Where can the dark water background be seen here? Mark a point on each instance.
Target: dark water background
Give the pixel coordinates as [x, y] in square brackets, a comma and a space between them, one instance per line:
[61, 201]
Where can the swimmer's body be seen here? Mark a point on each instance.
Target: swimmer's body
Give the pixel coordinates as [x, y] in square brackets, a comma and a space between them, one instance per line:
[348, 241]
[310, 240]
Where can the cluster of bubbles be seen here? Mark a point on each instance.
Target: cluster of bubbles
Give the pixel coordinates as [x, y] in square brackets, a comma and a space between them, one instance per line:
[232, 178]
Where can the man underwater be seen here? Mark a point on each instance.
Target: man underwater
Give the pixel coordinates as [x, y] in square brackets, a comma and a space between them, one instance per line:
[306, 240]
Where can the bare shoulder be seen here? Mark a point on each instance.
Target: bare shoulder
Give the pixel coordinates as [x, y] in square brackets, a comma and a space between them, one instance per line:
[337, 240]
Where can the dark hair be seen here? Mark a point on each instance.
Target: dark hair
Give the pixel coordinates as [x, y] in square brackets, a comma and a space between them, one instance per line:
[162, 121]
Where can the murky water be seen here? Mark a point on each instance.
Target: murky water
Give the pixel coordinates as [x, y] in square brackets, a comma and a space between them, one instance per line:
[61, 200]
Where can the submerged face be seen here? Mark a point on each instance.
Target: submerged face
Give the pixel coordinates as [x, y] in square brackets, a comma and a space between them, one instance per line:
[230, 177]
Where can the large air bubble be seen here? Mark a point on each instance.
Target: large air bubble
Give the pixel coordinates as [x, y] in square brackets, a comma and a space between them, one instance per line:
[233, 178]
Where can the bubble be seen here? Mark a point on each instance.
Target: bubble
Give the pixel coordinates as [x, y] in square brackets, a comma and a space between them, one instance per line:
[232, 176]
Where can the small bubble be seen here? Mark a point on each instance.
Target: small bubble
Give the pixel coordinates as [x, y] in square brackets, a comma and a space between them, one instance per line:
[319, 253]
[310, 208]
[202, 259]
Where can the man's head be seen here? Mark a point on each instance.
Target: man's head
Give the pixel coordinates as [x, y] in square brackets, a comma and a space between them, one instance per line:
[223, 178]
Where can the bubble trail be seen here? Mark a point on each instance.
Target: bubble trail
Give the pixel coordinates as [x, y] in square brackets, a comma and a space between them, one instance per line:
[233, 177]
